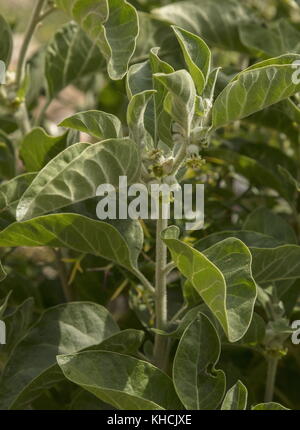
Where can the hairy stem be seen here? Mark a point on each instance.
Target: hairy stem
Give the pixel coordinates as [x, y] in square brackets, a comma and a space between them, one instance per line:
[34, 20]
[271, 378]
[161, 342]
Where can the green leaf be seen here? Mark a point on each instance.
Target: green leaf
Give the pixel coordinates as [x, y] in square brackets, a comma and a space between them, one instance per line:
[276, 264]
[222, 277]
[257, 162]
[198, 384]
[120, 380]
[38, 148]
[209, 90]
[236, 398]
[255, 335]
[126, 342]
[70, 55]
[138, 80]
[76, 232]
[250, 239]
[98, 124]
[135, 118]
[6, 41]
[180, 100]
[283, 117]
[290, 179]
[107, 23]
[63, 329]
[256, 88]
[163, 121]
[272, 261]
[154, 32]
[83, 400]
[197, 56]
[272, 406]
[272, 39]
[11, 191]
[216, 24]
[17, 325]
[75, 174]
[4, 304]
[267, 222]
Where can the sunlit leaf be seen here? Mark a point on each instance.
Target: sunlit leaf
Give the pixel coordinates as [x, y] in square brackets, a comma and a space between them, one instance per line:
[122, 381]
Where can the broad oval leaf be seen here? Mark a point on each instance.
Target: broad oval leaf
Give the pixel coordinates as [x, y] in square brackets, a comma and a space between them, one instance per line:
[107, 23]
[198, 384]
[75, 174]
[138, 80]
[222, 276]
[125, 342]
[135, 118]
[236, 398]
[70, 55]
[38, 148]
[276, 264]
[250, 239]
[122, 381]
[63, 329]
[98, 124]
[162, 119]
[272, 261]
[256, 88]
[264, 221]
[197, 56]
[214, 22]
[271, 39]
[79, 233]
[180, 100]
[284, 117]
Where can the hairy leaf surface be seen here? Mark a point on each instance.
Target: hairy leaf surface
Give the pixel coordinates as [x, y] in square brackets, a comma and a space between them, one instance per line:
[122, 381]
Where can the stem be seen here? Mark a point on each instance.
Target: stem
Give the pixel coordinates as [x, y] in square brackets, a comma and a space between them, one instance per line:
[63, 276]
[179, 313]
[46, 13]
[169, 267]
[23, 119]
[161, 342]
[180, 157]
[144, 281]
[271, 378]
[34, 20]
